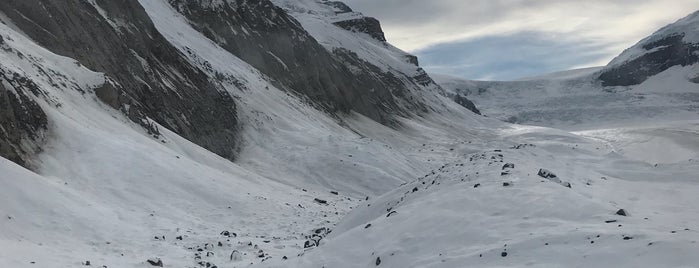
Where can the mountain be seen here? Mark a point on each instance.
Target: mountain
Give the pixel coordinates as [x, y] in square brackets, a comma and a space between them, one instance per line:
[228, 133]
[655, 79]
[674, 45]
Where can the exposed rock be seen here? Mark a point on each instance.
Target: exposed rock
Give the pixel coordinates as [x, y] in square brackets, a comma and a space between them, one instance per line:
[320, 201]
[156, 262]
[661, 55]
[337, 81]
[508, 165]
[544, 173]
[466, 103]
[22, 121]
[621, 212]
[412, 59]
[367, 25]
[340, 7]
[378, 261]
[155, 80]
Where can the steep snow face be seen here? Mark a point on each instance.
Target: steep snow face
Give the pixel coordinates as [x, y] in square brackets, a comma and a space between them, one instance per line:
[266, 37]
[674, 45]
[543, 198]
[358, 40]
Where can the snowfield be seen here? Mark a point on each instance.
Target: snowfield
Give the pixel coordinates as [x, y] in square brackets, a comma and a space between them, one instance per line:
[575, 100]
[446, 189]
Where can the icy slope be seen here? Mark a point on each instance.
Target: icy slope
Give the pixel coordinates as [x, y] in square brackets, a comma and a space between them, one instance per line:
[581, 103]
[492, 209]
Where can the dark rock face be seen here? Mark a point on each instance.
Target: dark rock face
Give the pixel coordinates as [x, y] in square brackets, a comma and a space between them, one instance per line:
[22, 121]
[367, 25]
[266, 37]
[666, 52]
[466, 103]
[413, 60]
[150, 76]
[340, 7]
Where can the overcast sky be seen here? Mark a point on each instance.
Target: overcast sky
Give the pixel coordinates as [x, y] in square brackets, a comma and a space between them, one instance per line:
[509, 39]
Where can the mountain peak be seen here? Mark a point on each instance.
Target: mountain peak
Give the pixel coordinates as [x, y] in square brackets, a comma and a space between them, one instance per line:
[672, 45]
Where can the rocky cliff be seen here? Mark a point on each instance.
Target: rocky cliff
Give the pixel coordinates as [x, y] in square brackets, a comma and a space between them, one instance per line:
[674, 45]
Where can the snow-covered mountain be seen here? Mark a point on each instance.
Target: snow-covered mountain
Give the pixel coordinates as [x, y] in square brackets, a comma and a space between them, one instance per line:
[230, 133]
[655, 79]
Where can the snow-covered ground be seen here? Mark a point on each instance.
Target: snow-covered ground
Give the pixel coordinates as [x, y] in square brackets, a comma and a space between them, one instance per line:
[575, 100]
[492, 209]
[435, 193]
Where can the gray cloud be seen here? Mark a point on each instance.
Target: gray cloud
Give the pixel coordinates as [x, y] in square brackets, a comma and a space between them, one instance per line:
[600, 29]
[508, 57]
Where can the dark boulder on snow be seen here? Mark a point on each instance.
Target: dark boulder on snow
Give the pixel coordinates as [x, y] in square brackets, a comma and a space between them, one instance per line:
[508, 165]
[621, 212]
[229, 234]
[545, 173]
[320, 201]
[378, 261]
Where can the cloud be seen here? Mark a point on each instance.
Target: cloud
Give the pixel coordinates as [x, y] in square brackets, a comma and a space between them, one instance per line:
[508, 57]
[417, 24]
[465, 35]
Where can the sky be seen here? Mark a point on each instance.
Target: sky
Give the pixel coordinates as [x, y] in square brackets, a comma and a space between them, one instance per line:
[510, 39]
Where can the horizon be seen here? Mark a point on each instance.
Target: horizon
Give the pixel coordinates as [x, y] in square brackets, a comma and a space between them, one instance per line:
[501, 40]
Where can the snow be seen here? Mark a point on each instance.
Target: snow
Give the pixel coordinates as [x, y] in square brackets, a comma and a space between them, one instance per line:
[441, 220]
[687, 26]
[104, 189]
[576, 101]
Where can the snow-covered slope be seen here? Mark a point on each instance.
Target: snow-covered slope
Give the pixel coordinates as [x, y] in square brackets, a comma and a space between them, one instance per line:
[105, 188]
[674, 45]
[108, 191]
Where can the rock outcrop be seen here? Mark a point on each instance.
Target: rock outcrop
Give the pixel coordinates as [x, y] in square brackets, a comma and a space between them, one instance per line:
[660, 55]
[367, 25]
[150, 79]
[674, 45]
[22, 122]
[266, 37]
